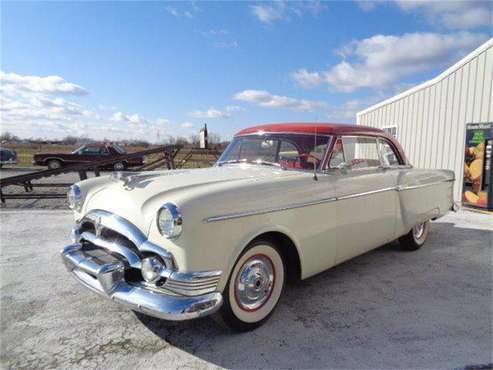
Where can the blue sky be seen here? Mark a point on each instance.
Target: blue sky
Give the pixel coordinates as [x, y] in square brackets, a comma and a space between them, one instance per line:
[136, 69]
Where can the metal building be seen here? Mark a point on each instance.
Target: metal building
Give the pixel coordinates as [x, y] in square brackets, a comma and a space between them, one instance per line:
[430, 119]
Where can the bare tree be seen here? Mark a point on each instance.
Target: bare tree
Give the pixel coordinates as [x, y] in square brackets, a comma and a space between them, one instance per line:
[214, 138]
[69, 140]
[194, 139]
[7, 137]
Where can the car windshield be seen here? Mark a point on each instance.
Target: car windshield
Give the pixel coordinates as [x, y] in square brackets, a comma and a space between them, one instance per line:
[76, 151]
[295, 151]
[119, 149]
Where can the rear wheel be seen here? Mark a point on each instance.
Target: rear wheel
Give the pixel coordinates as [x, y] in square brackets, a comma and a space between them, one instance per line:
[415, 238]
[255, 286]
[53, 164]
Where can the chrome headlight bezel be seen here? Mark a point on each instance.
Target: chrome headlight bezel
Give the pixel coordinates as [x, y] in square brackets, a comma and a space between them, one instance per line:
[169, 221]
[74, 197]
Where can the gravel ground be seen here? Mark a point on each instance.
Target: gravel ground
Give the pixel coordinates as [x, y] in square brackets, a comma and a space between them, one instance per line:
[386, 309]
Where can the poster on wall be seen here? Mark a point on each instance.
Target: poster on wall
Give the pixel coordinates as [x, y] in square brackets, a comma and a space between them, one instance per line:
[477, 191]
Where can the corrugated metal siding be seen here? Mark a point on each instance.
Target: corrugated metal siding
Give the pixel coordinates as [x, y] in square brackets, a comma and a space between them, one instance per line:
[431, 121]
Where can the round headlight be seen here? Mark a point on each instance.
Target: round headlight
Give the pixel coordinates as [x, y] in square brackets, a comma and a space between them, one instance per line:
[74, 197]
[169, 221]
[151, 269]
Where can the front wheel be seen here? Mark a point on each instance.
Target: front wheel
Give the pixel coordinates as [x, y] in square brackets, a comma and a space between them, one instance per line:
[415, 238]
[254, 287]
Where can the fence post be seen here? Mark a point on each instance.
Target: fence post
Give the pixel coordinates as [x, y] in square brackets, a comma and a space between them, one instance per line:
[83, 175]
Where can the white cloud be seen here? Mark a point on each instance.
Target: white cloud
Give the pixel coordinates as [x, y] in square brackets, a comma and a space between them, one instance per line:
[12, 83]
[186, 125]
[133, 118]
[458, 14]
[307, 79]
[270, 12]
[32, 106]
[265, 99]
[189, 12]
[215, 113]
[452, 14]
[383, 60]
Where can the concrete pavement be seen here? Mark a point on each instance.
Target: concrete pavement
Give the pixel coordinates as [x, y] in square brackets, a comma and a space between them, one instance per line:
[386, 309]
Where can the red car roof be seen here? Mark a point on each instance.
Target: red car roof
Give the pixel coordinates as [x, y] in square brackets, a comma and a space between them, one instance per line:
[309, 128]
[322, 129]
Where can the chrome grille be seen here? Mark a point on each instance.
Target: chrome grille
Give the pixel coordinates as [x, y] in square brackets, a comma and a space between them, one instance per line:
[117, 236]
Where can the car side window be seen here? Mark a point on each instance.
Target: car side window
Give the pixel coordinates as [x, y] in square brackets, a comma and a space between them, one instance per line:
[337, 156]
[361, 152]
[389, 158]
[90, 151]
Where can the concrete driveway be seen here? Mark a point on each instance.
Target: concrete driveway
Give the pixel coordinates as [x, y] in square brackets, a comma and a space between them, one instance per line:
[386, 309]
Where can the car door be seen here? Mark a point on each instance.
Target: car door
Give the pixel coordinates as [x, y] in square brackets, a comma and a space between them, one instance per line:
[366, 196]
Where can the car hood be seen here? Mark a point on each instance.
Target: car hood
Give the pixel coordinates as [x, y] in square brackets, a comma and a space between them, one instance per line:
[138, 196]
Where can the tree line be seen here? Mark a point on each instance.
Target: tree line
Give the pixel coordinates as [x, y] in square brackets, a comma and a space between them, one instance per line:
[213, 139]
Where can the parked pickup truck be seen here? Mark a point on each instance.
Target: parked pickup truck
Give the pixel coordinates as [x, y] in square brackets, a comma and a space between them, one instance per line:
[87, 154]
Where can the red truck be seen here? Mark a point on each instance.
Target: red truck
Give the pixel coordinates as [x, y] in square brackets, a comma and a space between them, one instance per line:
[87, 154]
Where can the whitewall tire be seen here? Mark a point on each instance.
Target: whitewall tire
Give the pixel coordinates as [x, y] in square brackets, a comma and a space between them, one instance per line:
[254, 287]
[416, 237]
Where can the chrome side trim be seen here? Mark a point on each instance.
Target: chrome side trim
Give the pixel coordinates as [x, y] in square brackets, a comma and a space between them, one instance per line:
[410, 187]
[357, 195]
[268, 210]
[192, 284]
[316, 202]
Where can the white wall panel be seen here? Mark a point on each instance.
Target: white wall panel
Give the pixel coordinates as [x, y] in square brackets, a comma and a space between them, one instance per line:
[431, 117]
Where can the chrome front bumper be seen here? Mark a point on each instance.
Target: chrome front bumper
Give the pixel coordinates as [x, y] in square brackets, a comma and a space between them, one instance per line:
[105, 276]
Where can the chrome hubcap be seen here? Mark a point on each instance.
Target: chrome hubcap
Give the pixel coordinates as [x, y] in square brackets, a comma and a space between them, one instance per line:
[419, 230]
[254, 282]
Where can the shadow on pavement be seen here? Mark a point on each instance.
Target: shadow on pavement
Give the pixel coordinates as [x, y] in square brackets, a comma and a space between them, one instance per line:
[386, 308]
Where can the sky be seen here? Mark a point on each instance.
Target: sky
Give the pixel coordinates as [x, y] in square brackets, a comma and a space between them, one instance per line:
[147, 70]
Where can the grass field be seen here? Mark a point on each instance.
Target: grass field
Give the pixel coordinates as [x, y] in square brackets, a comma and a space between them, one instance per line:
[26, 151]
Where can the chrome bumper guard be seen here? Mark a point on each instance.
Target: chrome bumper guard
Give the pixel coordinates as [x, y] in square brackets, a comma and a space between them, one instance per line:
[104, 274]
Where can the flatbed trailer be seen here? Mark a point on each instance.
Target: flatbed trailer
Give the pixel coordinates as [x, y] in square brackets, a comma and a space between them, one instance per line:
[167, 159]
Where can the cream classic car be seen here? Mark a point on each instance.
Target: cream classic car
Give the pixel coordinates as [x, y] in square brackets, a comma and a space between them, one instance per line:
[284, 202]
